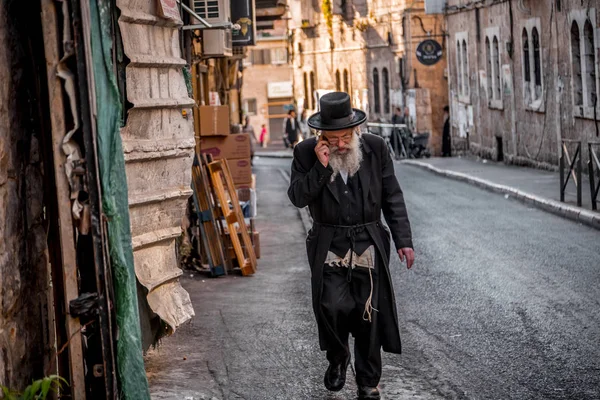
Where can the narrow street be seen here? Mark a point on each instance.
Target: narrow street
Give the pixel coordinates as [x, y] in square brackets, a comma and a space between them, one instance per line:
[502, 304]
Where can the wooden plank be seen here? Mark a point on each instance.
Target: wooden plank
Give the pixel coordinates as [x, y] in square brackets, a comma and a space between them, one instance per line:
[225, 190]
[67, 238]
[211, 236]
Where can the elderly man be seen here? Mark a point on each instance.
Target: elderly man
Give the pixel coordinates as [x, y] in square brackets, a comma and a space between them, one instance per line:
[347, 179]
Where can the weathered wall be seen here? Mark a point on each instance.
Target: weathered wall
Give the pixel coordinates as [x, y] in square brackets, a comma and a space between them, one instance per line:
[529, 134]
[22, 233]
[256, 79]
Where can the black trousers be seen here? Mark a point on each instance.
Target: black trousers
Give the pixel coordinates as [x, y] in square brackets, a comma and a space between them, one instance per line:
[343, 301]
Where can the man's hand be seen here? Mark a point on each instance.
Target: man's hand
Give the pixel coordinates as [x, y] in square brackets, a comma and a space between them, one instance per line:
[322, 150]
[409, 254]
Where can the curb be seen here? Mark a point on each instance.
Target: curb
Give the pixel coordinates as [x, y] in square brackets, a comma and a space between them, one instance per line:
[267, 154]
[573, 213]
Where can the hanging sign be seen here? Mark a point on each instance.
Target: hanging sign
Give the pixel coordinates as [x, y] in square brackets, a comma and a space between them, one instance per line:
[242, 14]
[169, 9]
[429, 52]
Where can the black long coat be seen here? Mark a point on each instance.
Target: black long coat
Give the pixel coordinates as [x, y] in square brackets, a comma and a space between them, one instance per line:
[310, 186]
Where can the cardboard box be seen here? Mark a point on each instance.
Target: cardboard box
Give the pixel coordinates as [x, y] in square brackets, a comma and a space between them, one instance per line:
[214, 120]
[232, 146]
[241, 170]
[247, 185]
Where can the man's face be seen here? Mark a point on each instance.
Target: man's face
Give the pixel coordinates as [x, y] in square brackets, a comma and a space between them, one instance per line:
[340, 140]
[293, 114]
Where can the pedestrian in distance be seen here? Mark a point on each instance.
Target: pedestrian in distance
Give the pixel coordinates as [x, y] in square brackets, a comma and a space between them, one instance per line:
[263, 136]
[249, 129]
[346, 178]
[291, 128]
[446, 138]
[302, 123]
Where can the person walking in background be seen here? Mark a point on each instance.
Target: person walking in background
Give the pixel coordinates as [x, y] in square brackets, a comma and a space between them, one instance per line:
[446, 138]
[249, 129]
[263, 136]
[291, 128]
[398, 119]
[304, 129]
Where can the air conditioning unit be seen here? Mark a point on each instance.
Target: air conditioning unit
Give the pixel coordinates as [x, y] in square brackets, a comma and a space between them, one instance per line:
[217, 43]
[213, 11]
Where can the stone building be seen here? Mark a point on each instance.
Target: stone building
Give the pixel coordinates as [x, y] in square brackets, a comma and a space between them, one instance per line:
[523, 76]
[368, 48]
[267, 91]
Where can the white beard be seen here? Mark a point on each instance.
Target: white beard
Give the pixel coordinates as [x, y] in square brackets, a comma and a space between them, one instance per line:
[349, 161]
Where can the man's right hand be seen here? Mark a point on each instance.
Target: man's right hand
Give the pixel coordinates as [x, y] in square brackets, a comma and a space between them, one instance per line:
[322, 150]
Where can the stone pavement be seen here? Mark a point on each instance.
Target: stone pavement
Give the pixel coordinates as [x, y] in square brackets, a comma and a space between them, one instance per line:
[533, 186]
[255, 337]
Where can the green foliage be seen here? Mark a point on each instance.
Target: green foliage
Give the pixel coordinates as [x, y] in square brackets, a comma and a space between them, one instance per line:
[327, 10]
[38, 390]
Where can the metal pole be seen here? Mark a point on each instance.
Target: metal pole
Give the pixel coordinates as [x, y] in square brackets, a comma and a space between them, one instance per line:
[579, 169]
[562, 172]
[591, 175]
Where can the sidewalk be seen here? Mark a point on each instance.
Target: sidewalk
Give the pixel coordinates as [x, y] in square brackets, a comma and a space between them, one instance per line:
[535, 187]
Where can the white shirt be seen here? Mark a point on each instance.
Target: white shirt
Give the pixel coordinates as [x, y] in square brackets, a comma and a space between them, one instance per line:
[344, 175]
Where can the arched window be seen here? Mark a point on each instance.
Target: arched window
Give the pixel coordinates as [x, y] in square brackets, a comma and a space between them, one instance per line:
[576, 56]
[306, 94]
[590, 63]
[526, 68]
[459, 73]
[537, 66]
[346, 82]
[496, 61]
[386, 91]
[338, 84]
[312, 91]
[488, 58]
[376, 104]
[465, 69]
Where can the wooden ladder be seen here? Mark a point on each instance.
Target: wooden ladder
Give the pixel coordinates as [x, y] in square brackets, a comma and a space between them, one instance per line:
[225, 193]
[205, 208]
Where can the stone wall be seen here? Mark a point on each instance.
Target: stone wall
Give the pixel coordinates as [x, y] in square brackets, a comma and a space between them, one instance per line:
[530, 132]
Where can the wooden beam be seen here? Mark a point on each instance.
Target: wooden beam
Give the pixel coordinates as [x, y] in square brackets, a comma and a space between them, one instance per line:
[67, 238]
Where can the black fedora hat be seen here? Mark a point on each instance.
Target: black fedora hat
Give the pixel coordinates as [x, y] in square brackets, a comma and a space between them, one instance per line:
[336, 113]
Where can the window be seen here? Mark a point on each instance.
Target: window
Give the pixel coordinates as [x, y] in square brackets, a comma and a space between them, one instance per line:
[465, 69]
[386, 91]
[577, 77]
[488, 70]
[307, 97]
[526, 67]
[300, 54]
[590, 63]
[346, 82]
[584, 60]
[376, 103]
[279, 55]
[533, 84]
[260, 56]
[462, 68]
[250, 106]
[312, 91]
[338, 83]
[492, 55]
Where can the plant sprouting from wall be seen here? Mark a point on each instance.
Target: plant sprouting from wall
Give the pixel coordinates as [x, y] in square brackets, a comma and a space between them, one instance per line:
[38, 390]
[327, 10]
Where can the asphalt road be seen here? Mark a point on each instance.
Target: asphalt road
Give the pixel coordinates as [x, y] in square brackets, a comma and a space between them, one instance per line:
[502, 303]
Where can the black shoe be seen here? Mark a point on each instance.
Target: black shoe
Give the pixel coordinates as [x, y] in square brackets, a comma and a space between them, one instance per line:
[368, 393]
[335, 376]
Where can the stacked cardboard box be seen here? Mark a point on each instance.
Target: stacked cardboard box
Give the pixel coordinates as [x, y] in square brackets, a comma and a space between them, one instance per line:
[215, 139]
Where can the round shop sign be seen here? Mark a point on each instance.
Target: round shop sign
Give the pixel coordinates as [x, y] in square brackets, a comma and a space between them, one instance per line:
[429, 52]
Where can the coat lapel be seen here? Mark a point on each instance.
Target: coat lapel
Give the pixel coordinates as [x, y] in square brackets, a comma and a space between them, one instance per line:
[332, 186]
[364, 173]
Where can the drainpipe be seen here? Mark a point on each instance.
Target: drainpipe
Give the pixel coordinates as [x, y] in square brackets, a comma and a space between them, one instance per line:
[559, 89]
[513, 100]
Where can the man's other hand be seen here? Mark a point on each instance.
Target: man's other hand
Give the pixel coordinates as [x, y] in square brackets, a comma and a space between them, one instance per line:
[322, 150]
[409, 254]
